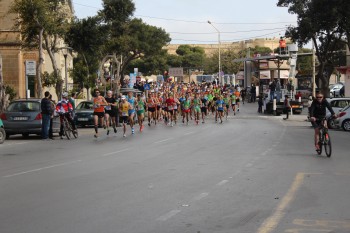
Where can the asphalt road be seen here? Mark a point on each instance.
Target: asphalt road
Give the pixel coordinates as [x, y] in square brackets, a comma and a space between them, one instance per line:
[251, 174]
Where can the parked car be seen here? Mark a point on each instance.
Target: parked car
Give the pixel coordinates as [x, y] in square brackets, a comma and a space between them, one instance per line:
[337, 104]
[343, 119]
[2, 132]
[335, 89]
[84, 114]
[23, 116]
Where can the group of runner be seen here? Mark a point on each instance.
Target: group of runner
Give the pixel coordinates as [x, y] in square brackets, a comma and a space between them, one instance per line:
[169, 104]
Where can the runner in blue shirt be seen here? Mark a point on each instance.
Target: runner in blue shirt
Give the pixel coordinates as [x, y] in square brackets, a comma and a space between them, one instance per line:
[219, 108]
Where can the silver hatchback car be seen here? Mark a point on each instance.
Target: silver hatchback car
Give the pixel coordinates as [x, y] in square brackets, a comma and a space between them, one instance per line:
[23, 116]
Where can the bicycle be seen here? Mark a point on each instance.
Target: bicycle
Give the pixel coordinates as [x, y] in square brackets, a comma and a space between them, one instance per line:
[68, 128]
[324, 139]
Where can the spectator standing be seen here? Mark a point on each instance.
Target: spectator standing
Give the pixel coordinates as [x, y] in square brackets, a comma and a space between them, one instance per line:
[243, 94]
[253, 94]
[53, 106]
[260, 103]
[46, 112]
[286, 106]
[272, 90]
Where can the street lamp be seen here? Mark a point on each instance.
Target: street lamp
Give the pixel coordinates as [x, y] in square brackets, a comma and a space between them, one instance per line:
[65, 51]
[219, 45]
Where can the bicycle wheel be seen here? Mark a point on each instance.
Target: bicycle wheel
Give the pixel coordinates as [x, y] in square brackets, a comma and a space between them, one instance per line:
[67, 129]
[320, 146]
[75, 133]
[328, 145]
[320, 143]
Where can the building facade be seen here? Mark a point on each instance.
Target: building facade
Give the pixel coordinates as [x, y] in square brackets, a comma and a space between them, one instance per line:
[15, 56]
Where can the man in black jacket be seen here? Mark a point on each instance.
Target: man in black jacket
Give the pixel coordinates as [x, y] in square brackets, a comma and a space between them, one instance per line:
[317, 114]
[46, 112]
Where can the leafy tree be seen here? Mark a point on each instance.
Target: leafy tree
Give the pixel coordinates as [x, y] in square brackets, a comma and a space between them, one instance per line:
[140, 40]
[42, 24]
[84, 36]
[323, 28]
[227, 56]
[174, 60]
[191, 57]
[150, 65]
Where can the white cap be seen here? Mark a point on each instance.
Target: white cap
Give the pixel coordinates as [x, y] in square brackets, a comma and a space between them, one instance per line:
[123, 97]
[64, 94]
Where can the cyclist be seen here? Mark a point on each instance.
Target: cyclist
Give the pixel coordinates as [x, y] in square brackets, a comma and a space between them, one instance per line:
[65, 109]
[317, 115]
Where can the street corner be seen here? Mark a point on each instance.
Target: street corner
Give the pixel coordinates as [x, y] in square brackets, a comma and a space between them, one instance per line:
[313, 204]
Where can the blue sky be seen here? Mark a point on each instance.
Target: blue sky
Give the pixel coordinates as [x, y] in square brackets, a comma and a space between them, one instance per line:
[186, 20]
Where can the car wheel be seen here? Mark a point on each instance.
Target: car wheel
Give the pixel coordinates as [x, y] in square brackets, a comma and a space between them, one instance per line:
[346, 125]
[2, 135]
[331, 124]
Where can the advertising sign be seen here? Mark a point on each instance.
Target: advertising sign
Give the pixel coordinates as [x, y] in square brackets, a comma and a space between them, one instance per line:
[176, 71]
[132, 80]
[31, 68]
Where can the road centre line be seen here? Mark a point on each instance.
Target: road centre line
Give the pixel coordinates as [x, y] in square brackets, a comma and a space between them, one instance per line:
[188, 133]
[164, 140]
[201, 196]
[168, 215]
[270, 224]
[42, 168]
[113, 153]
[222, 182]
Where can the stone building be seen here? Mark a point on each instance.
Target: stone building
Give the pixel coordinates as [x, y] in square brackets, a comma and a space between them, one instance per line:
[15, 57]
[211, 49]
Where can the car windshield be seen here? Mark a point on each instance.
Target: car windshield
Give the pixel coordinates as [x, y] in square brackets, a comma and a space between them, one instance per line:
[85, 106]
[24, 106]
[344, 109]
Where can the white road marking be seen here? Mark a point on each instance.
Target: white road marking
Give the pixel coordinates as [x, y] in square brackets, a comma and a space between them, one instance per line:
[115, 152]
[168, 215]
[222, 182]
[189, 133]
[164, 140]
[42, 168]
[201, 196]
[14, 144]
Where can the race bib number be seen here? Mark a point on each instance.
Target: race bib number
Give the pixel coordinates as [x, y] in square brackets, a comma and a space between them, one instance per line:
[108, 108]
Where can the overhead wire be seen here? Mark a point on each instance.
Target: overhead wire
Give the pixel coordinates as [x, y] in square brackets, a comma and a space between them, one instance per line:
[208, 33]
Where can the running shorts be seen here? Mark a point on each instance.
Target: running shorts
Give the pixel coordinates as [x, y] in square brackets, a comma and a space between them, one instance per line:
[111, 113]
[124, 119]
[131, 111]
[99, 114]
